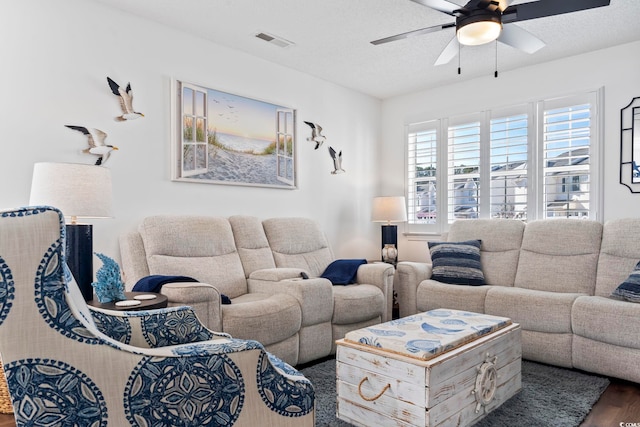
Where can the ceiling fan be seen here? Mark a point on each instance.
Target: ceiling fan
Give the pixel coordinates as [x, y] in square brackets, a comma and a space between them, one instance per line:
[482, 21]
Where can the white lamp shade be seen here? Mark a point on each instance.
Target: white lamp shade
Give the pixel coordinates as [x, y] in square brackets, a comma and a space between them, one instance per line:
[80, 191]
[389, 209]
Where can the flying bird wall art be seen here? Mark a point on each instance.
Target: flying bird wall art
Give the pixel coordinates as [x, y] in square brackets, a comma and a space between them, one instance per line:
[337, 161]
[126, 101]
[316, 134]
[97, 146]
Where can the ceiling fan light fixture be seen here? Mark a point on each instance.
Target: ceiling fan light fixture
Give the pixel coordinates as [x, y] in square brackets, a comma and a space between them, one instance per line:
[479, 27]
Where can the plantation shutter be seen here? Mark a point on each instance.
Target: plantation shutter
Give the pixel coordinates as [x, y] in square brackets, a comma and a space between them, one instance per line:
[422, 159]
[509, 166]
[567, 152]
[540, 159]
[463, 190]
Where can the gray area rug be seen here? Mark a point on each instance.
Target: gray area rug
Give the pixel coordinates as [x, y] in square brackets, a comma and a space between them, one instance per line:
[550, 396]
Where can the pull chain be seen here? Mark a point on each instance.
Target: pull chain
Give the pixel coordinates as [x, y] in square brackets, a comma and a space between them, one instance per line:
[495, 74]
[459, 48]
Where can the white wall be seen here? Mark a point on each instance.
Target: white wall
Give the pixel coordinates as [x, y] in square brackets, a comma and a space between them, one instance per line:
[616, 69]
[55, 58]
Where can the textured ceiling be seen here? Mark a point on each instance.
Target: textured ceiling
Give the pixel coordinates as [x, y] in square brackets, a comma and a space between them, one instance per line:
[332, 37]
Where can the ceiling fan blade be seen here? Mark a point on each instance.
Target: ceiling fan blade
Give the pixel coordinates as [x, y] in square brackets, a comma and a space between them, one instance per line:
[412, 33]
[490, 5]
[542, 8]
[443, 6]
[520, 38]
[449, 52]
[503, 4]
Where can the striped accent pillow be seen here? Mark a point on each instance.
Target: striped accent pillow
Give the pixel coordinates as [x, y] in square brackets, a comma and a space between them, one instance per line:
[629, 290]
[457, 263]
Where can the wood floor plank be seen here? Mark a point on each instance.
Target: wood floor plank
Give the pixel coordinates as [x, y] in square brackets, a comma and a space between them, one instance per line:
[620, 403]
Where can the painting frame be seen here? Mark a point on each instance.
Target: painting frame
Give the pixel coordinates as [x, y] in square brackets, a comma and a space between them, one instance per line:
[219, 137]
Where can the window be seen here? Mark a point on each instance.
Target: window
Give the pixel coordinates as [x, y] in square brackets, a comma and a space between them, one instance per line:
[194, 130]
[284, 146]
[567, 158]
[529, 161]
[421, 172]
[509, 167]
[463, 170]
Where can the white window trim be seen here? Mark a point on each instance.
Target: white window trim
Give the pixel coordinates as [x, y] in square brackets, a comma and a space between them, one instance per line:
[284, 136]
[195, 143]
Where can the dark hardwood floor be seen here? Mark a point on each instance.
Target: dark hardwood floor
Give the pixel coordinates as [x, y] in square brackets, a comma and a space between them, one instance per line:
[619, 406]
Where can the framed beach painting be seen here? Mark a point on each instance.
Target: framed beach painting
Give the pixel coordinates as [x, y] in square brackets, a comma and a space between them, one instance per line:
[222, 138]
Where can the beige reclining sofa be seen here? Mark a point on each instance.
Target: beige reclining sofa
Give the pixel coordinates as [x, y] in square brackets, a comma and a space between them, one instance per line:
[258, 265]
[554, 277]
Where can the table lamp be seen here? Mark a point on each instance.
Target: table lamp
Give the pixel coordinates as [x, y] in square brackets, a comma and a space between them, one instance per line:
[79, 191]
[388, 210]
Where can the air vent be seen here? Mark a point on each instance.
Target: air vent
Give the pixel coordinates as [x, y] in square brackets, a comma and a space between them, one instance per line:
[278, 41]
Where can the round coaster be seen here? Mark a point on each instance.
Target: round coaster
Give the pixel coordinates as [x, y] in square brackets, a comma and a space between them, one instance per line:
[128, 303]
[144, 297]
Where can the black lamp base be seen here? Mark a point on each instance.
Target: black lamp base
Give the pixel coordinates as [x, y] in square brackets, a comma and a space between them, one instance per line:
[79, 250]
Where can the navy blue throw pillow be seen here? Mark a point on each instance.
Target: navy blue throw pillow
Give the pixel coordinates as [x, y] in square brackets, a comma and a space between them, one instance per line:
[629, 290]
[343, 271]
[457, 263]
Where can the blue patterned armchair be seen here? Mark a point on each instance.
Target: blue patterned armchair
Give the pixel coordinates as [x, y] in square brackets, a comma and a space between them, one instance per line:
[67, 365]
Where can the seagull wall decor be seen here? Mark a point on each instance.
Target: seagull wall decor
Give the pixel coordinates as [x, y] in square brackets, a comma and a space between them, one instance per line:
[97, 146]
[337, 161]
[126, 101]
[316, 134]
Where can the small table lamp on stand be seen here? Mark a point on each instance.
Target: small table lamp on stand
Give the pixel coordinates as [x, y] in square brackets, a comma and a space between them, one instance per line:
[79, 191]
[388, 210]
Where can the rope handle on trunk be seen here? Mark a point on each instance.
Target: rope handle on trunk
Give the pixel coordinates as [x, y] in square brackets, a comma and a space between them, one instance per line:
[377, 396]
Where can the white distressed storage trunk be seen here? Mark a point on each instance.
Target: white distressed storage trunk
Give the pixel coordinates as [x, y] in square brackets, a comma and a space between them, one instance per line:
[383, 378]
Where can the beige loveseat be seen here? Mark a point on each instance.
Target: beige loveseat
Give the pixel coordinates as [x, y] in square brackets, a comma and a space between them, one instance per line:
[258, 265]
[555, 278]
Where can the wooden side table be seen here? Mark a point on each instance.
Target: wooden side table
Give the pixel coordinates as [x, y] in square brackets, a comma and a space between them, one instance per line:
[160, 301]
